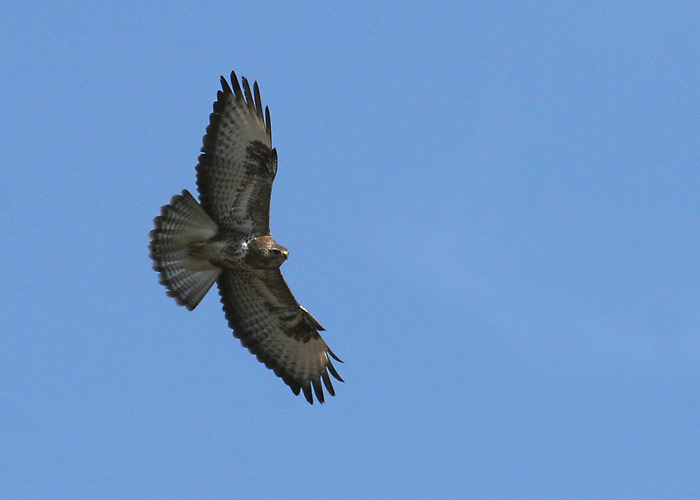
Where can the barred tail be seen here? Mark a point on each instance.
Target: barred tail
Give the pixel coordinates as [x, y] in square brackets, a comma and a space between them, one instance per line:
[183, 221]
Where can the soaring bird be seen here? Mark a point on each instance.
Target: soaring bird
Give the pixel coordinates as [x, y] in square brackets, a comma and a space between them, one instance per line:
[225, 238]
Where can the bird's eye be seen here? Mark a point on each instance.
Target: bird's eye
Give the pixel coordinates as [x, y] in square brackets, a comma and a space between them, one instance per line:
[275, 251]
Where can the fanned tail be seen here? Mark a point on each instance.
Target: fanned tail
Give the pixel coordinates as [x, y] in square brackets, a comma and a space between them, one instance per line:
[182, 222]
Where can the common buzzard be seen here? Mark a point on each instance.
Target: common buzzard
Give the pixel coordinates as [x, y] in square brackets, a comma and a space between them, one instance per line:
[225, 238]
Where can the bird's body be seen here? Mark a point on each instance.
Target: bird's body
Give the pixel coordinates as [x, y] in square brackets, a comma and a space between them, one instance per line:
[226, 239]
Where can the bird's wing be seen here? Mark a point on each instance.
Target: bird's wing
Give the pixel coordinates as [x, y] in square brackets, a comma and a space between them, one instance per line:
[269, 321]
[237, 164]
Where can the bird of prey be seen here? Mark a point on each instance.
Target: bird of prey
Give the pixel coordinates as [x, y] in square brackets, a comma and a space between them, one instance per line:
[225, 238]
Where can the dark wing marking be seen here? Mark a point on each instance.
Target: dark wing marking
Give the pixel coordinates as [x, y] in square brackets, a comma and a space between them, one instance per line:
[269, 321]
[237, 164]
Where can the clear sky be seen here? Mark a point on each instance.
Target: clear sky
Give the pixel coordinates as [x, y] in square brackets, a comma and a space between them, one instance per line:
[492, 207]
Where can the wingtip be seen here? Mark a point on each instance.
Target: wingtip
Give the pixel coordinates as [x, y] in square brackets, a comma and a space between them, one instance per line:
[258, 100]
[307, 393]
[328, 350]
[237, 92]
[225, 86]
[327, 382]
[250, 100]
[318, 390]
[333, 371]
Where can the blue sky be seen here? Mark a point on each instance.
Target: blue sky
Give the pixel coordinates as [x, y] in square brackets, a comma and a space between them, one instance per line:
[492, 207]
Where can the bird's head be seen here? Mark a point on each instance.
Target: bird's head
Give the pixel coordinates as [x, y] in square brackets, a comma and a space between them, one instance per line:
[263, 252]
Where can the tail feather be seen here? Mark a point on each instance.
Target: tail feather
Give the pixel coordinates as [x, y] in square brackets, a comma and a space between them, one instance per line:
[183, 221]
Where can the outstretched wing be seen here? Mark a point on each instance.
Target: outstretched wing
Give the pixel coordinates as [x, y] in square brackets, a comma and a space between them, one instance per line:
[237, 164]
[269, 321]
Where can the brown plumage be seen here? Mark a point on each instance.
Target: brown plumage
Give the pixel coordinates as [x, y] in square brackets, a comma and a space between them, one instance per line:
[227, 240]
